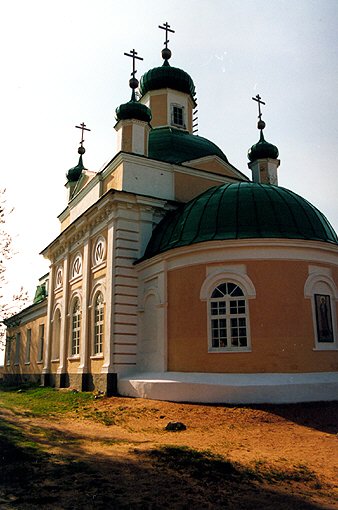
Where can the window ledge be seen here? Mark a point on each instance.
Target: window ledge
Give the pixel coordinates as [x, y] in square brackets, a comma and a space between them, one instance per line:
[97, 356]
[27, 362]
[40, 362]
[228, 351]
[323, 349]
[73, 358]
[56, 360]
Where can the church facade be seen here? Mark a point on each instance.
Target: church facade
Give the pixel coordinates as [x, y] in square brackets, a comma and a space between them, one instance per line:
[176, 277]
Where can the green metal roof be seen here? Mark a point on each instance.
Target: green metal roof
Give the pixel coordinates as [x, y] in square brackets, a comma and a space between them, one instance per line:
[176, 146]
[262, 149]
[241, 211]
[167, 77]
[133, 110]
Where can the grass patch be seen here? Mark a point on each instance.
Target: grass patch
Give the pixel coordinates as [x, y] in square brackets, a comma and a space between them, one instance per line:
[43, 401]
[210, 466]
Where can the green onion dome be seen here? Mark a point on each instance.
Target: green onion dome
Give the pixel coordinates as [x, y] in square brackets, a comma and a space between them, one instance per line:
[74, 173]
[133, 110]
[262, 150]
[167, 77]
[176, 146]
[240, 211]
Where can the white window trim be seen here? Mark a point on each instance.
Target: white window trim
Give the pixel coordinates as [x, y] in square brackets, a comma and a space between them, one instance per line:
[77, 354]
[317, 277]
[176, 105]
[210, 283]
[98, 354]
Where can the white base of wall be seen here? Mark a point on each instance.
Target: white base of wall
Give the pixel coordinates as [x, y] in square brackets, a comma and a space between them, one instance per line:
[231, 388]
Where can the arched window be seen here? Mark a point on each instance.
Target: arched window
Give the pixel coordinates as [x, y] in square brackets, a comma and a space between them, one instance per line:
[76, 328]
[228, 318]
[98, 324]
[321, 289]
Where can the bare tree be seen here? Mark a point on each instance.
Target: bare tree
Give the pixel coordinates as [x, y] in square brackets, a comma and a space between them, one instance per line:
[19, 300]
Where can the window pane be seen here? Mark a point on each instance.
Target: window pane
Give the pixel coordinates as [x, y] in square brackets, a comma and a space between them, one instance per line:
[324, 318]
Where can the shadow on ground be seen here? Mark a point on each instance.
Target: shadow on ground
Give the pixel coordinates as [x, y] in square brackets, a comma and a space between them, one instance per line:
[167, 477]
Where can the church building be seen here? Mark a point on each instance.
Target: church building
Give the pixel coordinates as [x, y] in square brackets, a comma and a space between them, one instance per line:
[175, 276]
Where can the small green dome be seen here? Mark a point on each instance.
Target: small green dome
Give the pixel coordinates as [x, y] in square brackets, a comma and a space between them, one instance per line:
[176, 146]
[133, 110]
[262, 150]
[240, 211]
[74, 173]
[167, 77]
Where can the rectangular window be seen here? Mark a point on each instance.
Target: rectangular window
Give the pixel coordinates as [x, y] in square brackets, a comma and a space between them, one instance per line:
[177, 116]
[17, 348]
[8, 351]
[324, 318]
[28, 346]
[41, 342]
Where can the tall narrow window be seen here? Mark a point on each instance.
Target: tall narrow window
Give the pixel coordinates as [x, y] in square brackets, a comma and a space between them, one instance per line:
[17, 348]
[324, 318]
[228, 318]
[41, 342]
[177, 115]
[98, 323]
[76, 328]
[8, 351]
[28, 346]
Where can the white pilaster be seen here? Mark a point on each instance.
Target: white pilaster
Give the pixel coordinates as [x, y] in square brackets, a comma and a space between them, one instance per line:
[85, 312]
[49, 326]
[64, 316]
[108, 365]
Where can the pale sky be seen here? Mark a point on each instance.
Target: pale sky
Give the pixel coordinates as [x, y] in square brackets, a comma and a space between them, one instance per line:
[62, 64]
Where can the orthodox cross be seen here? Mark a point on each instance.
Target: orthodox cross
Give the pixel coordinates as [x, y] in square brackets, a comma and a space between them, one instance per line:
[258, 100]
[133, 55]
[167, 29]
[83, 128]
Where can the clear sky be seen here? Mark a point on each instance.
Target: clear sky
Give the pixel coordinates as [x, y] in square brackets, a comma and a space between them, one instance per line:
[62, 63]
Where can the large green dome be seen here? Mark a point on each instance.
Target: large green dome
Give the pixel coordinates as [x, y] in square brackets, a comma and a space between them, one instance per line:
[241, 211]
[176, 146]
[167, 77]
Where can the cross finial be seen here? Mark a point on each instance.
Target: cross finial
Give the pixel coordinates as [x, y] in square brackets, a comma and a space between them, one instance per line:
[83, 128]
[167, 29]
[133, 82]
[261, 123]
[134, 56]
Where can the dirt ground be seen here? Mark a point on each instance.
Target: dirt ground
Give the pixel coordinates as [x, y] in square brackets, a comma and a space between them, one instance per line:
[116, 453]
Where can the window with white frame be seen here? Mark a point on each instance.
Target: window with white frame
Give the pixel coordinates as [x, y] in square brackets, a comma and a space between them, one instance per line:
[76, 328]
[28, 346]
[98, 324]
[228, 318]
[321, 289]
[177, 115]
